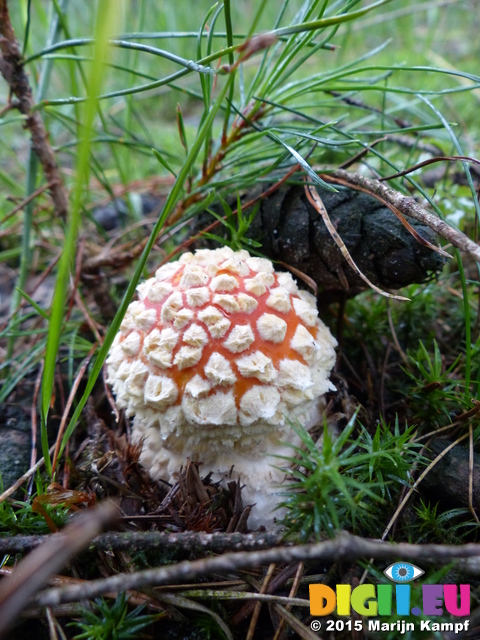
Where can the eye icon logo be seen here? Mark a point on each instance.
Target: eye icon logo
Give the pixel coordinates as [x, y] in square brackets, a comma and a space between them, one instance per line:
[402, 572]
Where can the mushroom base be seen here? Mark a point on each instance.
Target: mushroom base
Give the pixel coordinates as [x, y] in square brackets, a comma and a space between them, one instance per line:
[253, 458]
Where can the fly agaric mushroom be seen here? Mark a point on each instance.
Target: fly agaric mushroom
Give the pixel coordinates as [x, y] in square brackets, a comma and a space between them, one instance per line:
[216, 358]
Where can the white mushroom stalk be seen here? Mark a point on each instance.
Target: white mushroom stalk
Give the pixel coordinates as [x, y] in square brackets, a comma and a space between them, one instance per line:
[214, 360]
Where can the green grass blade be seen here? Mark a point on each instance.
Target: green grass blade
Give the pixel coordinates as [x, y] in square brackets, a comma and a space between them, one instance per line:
[36, 306]
[104, 23]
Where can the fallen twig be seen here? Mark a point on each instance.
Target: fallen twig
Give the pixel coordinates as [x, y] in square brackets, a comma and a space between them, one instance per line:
[414, 486]
[25, 201]
[344, 547]
[258, 605]
[425, 163]
[11, 68]
[292, 594]
[71, 398]
[276, 583]
[134, 541]
[36, 568]
[406, 205]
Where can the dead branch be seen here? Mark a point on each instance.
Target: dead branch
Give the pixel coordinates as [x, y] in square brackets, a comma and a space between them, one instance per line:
[132, 541]
[406, 205]
[115, 258]
[24, 202]
[425, 163]
[276, 583]
[11, 68]
[344, 547]
[34, 571]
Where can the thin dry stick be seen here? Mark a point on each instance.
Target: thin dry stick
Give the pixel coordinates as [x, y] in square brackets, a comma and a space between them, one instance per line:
[114, 259]
[137, 599]
[88, 318]
[413, 488]
[316, 202]
[258, 605]
[109, 395]
[197, 542]
[292, 594]
[34, 570]
[400, 351]
[414, 232]
[70, 400]
[11, 68]
[397, 202]
[24, 202]
[8, 107]
[430, 161]
[11, 490]
[241, 595]
[361, 154]
[344, 547]
[301, 630]
[461, 418]
[51, 624]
